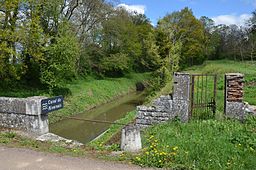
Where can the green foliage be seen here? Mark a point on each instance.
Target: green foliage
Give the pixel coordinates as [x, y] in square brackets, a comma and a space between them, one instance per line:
[150, 59]
[61, 60]
[8, 37]
[183, 27]
[115, 65]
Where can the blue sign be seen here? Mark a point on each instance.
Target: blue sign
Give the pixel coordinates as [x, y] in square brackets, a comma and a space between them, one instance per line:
[52, 104]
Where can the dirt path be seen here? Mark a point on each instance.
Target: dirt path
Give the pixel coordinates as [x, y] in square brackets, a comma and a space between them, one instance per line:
[24, 159]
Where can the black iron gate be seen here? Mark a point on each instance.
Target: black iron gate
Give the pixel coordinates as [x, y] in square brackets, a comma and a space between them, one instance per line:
[203, 95]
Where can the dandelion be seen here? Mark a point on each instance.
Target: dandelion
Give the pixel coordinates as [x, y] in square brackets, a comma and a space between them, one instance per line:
[173, 153]
[138, 158]
[160, 161]
[175, 148]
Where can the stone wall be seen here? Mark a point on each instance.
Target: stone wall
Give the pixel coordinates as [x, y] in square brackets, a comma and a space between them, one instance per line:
[168, 107]
[234, 105]
[24, 114]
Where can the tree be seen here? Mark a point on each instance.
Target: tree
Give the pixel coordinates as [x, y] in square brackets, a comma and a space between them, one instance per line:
[9, 66]
[211, 37]
[61, 58]
[190, 32]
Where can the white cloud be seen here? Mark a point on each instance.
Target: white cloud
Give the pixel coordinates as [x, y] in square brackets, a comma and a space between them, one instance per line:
[239, 20]
[140, 9]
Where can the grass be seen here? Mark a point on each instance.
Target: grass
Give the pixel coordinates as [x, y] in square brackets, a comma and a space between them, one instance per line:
[208, 144]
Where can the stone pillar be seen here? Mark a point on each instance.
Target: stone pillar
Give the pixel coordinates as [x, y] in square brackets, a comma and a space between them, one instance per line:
[181, 95]
[234, 106]
[130, 139]
[24, 114]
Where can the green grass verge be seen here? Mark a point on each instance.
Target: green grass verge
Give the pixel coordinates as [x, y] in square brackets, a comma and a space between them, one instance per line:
[207, 144]
[90, 93]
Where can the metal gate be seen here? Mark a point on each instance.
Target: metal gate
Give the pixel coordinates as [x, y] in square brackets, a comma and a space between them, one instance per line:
[203, 96]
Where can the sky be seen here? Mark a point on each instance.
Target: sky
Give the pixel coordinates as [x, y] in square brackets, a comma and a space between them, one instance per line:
[221, 11]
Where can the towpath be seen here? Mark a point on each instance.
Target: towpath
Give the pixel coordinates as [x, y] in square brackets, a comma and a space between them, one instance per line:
[24, 159]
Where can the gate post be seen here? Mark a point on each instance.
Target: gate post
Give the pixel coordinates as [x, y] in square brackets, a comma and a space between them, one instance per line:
[181, 95]
[234, 106]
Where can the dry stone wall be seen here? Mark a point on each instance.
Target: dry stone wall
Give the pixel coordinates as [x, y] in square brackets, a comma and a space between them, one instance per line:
[168, 107]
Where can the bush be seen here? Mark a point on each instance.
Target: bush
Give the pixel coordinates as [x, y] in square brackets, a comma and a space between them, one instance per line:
[57, 91]
[115, 65]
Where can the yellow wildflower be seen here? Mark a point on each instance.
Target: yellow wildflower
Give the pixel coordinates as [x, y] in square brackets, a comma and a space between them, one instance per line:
[175, 148]
[138, 158]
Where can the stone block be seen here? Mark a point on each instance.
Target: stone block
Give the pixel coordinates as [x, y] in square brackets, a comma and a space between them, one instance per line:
[130, 139]
[235, 110]
[12, 105]
[181, 86]
[24, 114]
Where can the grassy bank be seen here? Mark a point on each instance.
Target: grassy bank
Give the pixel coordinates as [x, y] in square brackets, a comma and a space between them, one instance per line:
[208, 144]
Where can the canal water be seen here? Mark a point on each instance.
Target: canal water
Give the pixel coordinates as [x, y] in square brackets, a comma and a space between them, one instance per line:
[84, 132]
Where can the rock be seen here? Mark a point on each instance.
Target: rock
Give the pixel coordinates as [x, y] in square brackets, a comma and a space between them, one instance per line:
[249, 109]
[50, 137]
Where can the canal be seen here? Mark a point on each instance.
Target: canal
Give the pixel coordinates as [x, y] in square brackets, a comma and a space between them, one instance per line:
[84, 131]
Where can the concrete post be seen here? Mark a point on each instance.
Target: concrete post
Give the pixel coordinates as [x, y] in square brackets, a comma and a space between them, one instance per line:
[181, 95]
[234, 105]
[130, 139]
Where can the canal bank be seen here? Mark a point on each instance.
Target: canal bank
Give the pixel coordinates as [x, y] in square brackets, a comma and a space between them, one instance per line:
[85, 131]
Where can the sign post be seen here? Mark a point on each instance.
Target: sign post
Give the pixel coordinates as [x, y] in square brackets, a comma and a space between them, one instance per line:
[52, 104]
